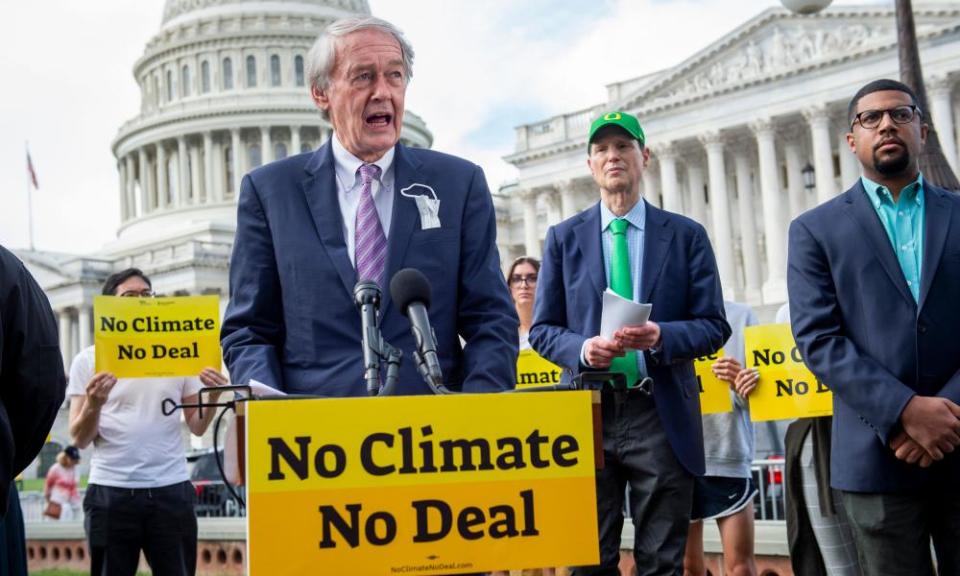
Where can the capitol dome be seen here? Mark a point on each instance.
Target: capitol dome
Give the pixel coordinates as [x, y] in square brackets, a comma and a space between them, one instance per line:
[223, 90]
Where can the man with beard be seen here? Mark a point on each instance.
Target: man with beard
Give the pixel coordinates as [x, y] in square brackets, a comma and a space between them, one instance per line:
[873, 279]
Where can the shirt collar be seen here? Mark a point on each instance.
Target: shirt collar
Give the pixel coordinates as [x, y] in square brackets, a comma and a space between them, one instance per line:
[637, 215]
[879, 194]
[347, 164]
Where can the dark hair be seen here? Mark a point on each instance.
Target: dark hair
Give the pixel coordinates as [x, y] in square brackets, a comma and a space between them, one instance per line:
[523, 260]
[114, 280]
[879, 86]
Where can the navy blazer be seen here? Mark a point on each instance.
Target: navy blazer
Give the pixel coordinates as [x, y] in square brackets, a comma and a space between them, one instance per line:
[862, 334]
[679, 278]
[292, 323]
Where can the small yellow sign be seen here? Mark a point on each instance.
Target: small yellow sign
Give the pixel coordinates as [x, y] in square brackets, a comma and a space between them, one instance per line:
[786, 389]
[714, 392]
[156, 337]
[420, 485]
[535, 370]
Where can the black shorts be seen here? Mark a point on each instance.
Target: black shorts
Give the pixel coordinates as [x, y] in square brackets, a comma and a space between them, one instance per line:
[718, 496]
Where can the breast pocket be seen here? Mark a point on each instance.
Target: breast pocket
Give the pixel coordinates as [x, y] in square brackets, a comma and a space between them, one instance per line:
[435, 252]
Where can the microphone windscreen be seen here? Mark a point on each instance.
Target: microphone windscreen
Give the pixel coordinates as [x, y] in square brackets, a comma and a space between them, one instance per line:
[366, 292]
[407, 286]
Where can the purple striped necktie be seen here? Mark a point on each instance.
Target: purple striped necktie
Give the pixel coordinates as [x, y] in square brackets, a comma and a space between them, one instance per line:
[370, 252]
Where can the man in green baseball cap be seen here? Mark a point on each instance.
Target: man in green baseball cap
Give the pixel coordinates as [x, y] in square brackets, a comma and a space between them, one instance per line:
[652, 434]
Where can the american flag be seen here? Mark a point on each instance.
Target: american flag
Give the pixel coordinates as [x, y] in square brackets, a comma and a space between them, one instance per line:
[31, 172]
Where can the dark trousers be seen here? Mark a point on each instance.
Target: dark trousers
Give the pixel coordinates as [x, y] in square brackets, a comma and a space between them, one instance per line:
[636, 452]
[120, 522]
[13, 545]
[893, 531]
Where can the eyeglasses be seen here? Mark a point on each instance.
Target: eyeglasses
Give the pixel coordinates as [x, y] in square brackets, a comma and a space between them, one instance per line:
[529, 280]
[870, 119]
[137, 294]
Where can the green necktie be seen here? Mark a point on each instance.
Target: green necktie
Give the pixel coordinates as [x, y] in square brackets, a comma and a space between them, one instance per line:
[621, 282]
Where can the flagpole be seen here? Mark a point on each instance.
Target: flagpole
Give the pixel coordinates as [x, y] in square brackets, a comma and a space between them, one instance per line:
[29, 199]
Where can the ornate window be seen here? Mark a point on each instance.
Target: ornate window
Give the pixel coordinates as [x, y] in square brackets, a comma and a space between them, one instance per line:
[254, 157]
[275, 70]
[251, 72]
[298, 69]
[227, 74]
[279, 150]
[205, 76]
[170, 91]
[185, 81]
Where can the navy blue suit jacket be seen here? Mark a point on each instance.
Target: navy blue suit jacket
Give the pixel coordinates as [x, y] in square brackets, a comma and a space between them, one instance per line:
[679, 278]
[292, 323]
[862, 334]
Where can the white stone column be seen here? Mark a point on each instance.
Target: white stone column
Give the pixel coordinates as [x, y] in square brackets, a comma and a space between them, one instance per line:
[819, 119]
[64, 332]
[238, 163]
[568, 206]
[124, 200]
[748, 227]
[795, 190]
[774, 228]
[266, 145]
[651, 188]
[219, 171]
[208, 187]
[670, 187]
[720, 209]
[295, 140]
[183, 169]
[85, 318]
[195, 174]
[695, 188]
[144, 178]
[163, 194]
[849, 165]
[531, 237]
[551, 196]
[131, 183]
[941, 111]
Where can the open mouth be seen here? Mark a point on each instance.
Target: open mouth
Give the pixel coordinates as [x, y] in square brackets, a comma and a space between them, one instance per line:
[379, 120]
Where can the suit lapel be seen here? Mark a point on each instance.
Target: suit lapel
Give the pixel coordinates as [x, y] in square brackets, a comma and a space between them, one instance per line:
[863, 213]
[656, 240]
[588, 242]
[320, 189]
[936, 225]
[406, 170]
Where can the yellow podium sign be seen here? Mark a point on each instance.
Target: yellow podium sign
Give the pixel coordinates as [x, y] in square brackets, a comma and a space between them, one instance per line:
[786, 389]
[420, 485]
[714, 392]
[156, 337]
[535, 370]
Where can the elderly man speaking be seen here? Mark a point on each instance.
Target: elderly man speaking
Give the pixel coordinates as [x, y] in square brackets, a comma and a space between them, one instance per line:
[362, 207]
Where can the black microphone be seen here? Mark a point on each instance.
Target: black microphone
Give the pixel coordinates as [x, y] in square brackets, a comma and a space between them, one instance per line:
[410, 290]
[366, 295]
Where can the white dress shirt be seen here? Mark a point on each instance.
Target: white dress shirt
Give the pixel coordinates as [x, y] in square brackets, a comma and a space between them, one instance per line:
[348, 191]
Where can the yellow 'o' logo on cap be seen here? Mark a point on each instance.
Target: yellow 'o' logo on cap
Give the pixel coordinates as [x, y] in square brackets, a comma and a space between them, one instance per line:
[613, 116]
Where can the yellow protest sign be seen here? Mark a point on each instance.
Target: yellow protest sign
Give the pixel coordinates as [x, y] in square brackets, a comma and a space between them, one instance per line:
[156, 337]
[714, 392]
[424, 485]
[534, 370]
[786, 389]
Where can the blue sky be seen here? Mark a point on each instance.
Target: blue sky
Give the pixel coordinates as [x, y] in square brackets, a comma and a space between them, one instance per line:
[481, 69]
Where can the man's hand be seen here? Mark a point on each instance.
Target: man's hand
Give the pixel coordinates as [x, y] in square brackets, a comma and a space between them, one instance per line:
[746, 381]
[600, 352]
[212, 378]
[727, 369]
[933, 423]
[906, 449]
[98, 389]
[642, 337]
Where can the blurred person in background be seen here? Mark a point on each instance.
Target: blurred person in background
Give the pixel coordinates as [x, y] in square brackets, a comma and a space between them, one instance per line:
[61, 486]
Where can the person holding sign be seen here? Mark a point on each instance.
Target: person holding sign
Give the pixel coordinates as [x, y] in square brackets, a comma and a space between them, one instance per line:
[139, 495]
[652, 435]
[873, 279]
[360, 208]
[726, 491]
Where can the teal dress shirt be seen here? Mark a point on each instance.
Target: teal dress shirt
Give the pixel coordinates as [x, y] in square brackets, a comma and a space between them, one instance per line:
[903, 222]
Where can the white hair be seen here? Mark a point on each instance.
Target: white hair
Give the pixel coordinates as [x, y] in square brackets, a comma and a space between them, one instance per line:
[323, 55]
